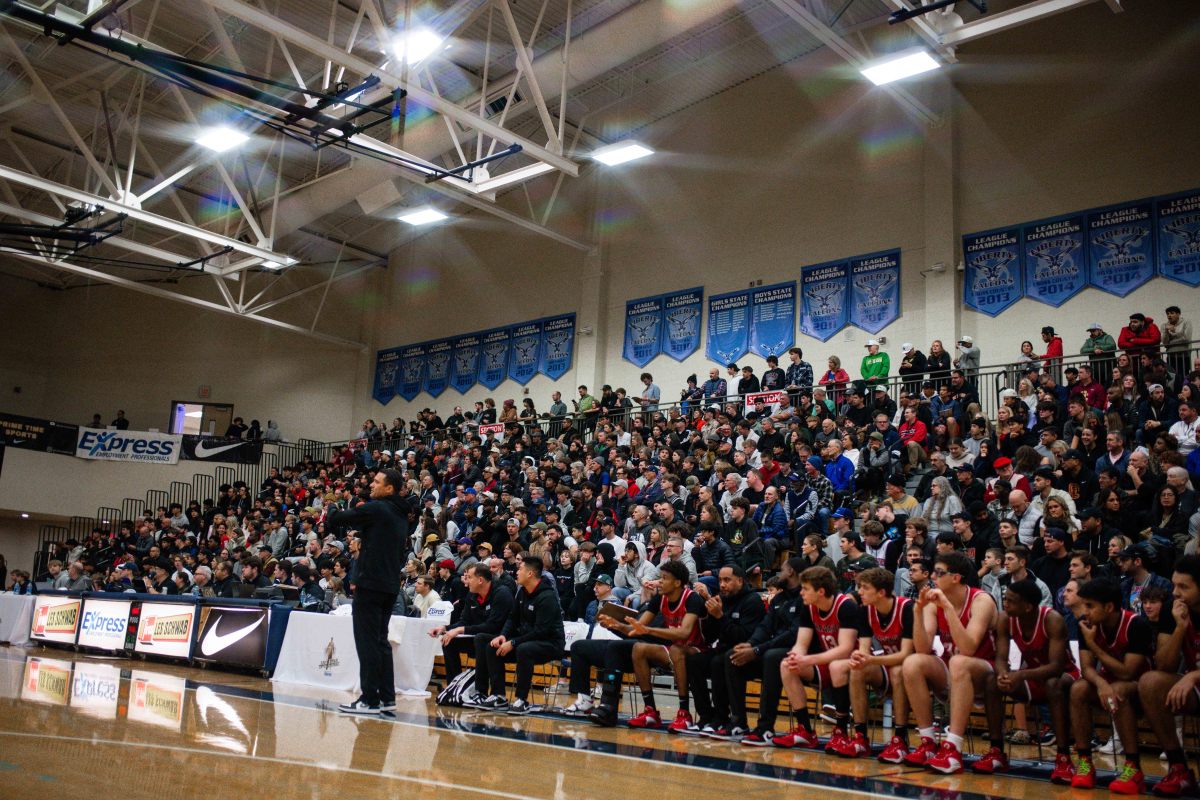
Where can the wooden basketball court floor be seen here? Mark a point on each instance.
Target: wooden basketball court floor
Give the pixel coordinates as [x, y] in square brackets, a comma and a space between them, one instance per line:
[75, 725]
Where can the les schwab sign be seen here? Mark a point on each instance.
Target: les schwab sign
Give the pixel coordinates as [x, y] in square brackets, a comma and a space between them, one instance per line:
[165, 629]
[55, 619]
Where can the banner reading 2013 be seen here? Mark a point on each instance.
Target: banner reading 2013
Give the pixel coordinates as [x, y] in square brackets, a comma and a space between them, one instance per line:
[1054, 259]
[772, 319]
[992, 263]
[728, 327]
[826, 295]
[875, 290]
[558, 346]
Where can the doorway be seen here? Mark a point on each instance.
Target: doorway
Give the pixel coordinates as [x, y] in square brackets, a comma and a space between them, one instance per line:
[200, 419]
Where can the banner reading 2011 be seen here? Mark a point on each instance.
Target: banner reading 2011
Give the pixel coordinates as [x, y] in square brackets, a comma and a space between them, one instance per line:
[772, 319]
[643, 330]
[728, 327]
[1054, 259]
[464, 364]
[493, 357]
[437, 366]
[523, 351]
[992, 262]
[875, 290]
[826, 296]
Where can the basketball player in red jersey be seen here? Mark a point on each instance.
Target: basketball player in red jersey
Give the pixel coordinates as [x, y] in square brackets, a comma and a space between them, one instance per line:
[828, 632]
[1167, 693]
[1115, 646]
[1045, 674]
[887, 621]
[962, 617]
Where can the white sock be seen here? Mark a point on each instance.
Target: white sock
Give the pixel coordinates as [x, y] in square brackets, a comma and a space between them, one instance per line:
[583, 699]
[955, 739]
[926, 733]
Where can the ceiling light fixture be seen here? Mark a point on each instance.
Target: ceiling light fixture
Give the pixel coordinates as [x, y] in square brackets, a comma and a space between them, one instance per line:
[422, 216]
[621, 152]
[416, 46]
[899, 66]
[222, 138]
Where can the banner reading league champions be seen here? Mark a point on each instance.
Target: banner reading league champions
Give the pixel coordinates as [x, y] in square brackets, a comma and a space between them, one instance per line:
[826, 297]
[772, 319]
[1121, 247]
[387, 365]
[412, 371]
[523, 351]
[728, 327]
[992, 263]
[558, 346]
[493, 357]
[1179, 237]
[1054, 259]
[681, 311]
[437, 366]
[464, 366]
[643, 330]
[875, 290]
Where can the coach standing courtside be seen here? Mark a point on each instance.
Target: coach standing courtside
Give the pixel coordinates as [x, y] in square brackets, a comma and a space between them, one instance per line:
[383, 530]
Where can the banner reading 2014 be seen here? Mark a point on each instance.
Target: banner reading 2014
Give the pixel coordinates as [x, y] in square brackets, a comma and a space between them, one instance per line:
[826, 296]
[728, 327]
[643, 330]
[1121, 247]
[875, 290]
[1179, 237]
[992, 263]
[772, 319]
[1054, 259]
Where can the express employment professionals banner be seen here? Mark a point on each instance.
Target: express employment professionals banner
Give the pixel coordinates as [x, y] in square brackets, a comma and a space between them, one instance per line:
[772, 319]
[826, 299]
[493, 357]
[1121, 247]
[226, 451]
[464, 366]
[728, 327]
[558, 346]
[412, 371]
[524, 348]
[105, 624]
[387, 364]
[643, 330]
[992, 261]
[233, 636]
[681, 314]
[1055, 265]
[437, 366]
[1178, 222]
[143, 446]
[875, 290]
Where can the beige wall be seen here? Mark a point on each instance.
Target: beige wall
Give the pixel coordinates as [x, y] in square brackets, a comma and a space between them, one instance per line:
[18, 542]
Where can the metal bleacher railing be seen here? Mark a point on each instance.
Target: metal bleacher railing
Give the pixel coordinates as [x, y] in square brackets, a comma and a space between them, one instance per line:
[988, 382]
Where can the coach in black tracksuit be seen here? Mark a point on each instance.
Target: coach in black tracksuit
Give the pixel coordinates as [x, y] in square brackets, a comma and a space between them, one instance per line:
[487, 608]
[732, 619]
[382, 524]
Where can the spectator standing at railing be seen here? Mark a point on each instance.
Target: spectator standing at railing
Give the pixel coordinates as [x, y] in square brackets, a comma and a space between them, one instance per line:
[122, 424]
[912, 367]
[938, 363]
[715, 388]
[733, 380]
[1140, 336]
[799, 373]
[651, 394]
[1052, 358]
[236, 429]
[1099, 347]
[835, 379]
[774, 378]
[968, 356]
[875, 366]
[749, 383]
[1176, 338]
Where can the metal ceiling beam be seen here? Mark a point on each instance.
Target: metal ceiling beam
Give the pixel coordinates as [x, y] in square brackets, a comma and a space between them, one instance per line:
[154, 291]
[301, 292]
[1015, 17]
[929, 34]
[319, 47]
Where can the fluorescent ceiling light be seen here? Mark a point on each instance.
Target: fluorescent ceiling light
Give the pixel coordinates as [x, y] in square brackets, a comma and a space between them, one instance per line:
[514, 176]
[621, 152]
[416, 46]
[221, 138]
[422, 216]
[900, 66]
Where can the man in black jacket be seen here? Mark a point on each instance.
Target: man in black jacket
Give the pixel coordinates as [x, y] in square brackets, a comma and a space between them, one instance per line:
[760, 656]
[532, 635]
[732, 617]
[487, 608]
[711, 553]
[382, 524]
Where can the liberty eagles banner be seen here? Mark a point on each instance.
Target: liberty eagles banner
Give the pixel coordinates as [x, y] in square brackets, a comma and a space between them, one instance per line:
[728, 327]
[464, 366]
[493, 357]
[875, 290]
[1121, 247]
[558, 346]
[992, 262]
[412, 371]
[437, 366]
[643, 330]
[387, 363]
[1055, 265]
[772, 319]
[826, 297]
[682, 311]
[1178, 229]
[524, 351]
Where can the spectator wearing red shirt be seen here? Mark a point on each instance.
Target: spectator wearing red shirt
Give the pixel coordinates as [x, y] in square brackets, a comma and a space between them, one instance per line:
[1054, 349]
[913, 436]
[1140, 336]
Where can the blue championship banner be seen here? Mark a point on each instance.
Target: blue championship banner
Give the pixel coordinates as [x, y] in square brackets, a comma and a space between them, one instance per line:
[493, 357]
[387, 363]
[728, 327]
[1121, 247]
[437, 366]
[772, 319]
[558, 346]
[643, 330]
[1178, 229]
[992, 263]
[826, 299]
[464, 366]
[526, 342]
[875, 290]
[682, 310]
[412, 371]
[1055, 260]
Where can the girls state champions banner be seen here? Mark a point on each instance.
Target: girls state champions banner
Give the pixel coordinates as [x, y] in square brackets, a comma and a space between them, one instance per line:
[992, 263]
[826, 292]
[772, 319]
[728, 327]
[875, 290]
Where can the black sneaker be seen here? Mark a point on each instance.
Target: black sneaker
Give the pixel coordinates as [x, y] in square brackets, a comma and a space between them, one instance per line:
[360, 708]
[519, 708]
[759, 738]
[474, 700]
[387, 705]
[495, 702]
[1047, 738]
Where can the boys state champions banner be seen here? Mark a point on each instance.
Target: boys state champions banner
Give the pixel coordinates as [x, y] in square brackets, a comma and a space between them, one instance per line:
[875, 290]
[772, 319]
[728, 327]
[516, 352]
[664, 324]
[826, 291]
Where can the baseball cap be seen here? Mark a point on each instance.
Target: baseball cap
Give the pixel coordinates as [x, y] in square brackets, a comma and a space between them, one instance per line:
[965, 339]
[872, 343]
[1003, 461]
[842, 513]
[906, 347]
[796, 477]
[876, 435]
[960, 515]
[896, 480]
[446, 563]
[513, 521]
[1055, 532]
[485, 546]
[1048, 329]
[1140, 550]
[965, 467]
[604, 578]
[433, 537]
[1075, 454]
[1095, 326]
[463, 540]
[1091, 512]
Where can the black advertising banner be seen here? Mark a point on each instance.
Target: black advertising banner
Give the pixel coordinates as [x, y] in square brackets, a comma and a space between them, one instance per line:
[226, 451]
[232, 635]
[29, 433]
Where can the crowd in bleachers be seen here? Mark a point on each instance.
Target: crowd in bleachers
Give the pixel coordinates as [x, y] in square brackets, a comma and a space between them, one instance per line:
[856, 537]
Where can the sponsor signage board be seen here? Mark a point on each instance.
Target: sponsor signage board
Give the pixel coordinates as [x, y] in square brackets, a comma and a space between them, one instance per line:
[47, 680]
[165, 629]
[105, 624]
[95, 689]
[234, 636]
[140, 446]
[156, 699]
[55, 619]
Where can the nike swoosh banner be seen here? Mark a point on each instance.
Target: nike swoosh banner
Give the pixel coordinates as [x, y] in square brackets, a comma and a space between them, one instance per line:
[230, 636]
[226, 451]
